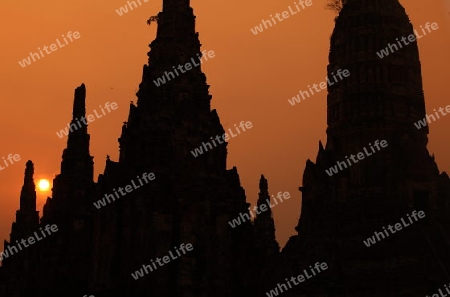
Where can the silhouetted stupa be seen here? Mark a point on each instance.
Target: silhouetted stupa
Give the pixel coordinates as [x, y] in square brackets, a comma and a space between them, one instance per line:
[380, 100]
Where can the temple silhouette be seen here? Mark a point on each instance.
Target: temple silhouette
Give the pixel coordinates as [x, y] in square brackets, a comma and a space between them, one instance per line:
[191, 200]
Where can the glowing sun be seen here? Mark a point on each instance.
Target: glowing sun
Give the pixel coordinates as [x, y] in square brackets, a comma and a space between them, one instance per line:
[43, 185]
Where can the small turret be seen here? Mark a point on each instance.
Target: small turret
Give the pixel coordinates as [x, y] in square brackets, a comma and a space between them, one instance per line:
[27, 218]
[264, 224]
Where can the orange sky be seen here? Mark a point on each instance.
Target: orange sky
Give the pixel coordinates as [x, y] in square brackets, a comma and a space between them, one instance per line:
[251, 78]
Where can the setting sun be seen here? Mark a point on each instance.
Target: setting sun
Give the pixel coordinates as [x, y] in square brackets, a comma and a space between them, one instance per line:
[43, 185]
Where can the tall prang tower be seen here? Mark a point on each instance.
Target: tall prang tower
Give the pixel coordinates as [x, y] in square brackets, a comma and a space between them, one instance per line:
[380, 100]
[63, 259]
[27, 217]
[17, 261]
[191, 198]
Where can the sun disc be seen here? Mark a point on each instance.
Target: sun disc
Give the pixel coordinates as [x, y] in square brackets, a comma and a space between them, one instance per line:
[43, 185]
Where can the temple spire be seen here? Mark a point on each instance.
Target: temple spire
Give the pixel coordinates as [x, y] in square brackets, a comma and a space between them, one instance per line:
[27, 218]
[176, 43]
[28, 193]
[264, 224]
[389, 96]
[76, 157]
[79, 103]
[174, 91]
[76, 179]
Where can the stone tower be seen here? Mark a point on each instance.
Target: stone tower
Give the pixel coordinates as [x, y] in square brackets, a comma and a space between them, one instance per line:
[191, 198]
[264, 223]
[72, 187]
[27, 217]
[62, 260]
[380, 100]
[267, 249]
[17, 260]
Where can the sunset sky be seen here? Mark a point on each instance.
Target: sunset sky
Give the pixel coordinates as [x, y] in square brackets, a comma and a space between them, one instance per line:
[251, 78]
